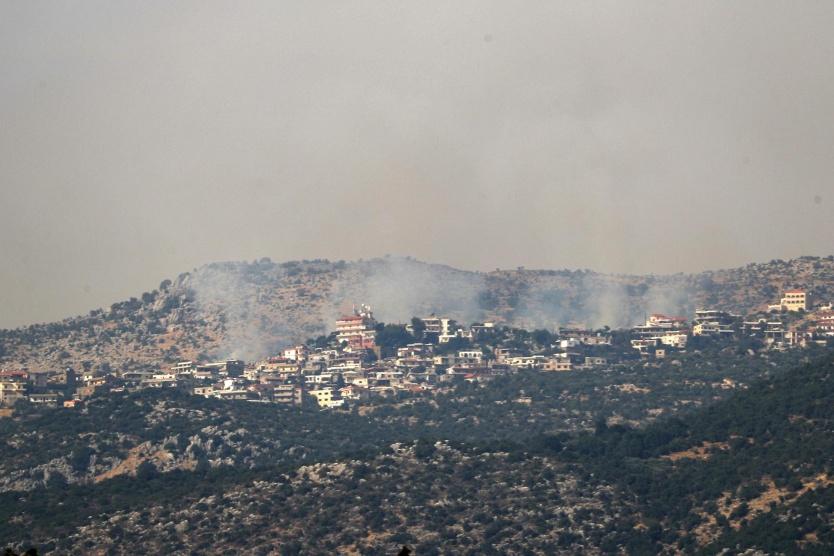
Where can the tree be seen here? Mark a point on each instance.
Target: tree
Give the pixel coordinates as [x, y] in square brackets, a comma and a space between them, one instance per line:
[542, 337]
[292, 548]
[424, 448]
[146, 471]
[80, 459]
[391, 336]
[418, 327]
[56, 480]
[453, 345]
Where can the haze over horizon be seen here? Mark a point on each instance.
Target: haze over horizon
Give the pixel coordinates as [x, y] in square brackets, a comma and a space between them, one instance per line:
[137, 143]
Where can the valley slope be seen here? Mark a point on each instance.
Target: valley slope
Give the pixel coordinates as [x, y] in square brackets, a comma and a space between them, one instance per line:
[474, 471]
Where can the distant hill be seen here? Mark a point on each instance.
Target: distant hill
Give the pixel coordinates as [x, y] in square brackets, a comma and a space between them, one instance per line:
[241, 309]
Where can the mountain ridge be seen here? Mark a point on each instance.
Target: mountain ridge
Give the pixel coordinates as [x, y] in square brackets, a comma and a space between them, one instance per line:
[247, 310]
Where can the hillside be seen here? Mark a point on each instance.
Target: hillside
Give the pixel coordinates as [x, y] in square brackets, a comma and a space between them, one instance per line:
[177, 431]
[753, 472]
[247, 310]
[471, 472]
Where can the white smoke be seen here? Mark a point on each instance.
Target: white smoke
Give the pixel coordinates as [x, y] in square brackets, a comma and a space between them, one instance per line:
[259, 307]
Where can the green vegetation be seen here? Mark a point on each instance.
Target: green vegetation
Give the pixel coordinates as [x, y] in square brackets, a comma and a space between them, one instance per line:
[642, 458]
[778, 435]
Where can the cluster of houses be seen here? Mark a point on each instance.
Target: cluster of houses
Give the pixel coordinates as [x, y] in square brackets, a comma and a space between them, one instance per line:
[778, 328]
[355, 370]
[41, 388]
[351, 370]
[353, 367]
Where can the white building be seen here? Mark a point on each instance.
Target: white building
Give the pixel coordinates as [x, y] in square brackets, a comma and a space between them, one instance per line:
[795, 300]
[660, 329]
[327, 398]
[712, 322]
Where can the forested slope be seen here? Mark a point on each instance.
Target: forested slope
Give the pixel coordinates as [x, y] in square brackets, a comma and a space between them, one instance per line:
[529, 463]
[754, 470]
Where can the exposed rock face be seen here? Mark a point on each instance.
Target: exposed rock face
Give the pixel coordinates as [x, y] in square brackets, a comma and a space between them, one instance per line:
[248, 310]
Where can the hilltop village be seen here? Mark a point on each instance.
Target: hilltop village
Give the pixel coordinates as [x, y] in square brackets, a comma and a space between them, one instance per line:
[363, 359]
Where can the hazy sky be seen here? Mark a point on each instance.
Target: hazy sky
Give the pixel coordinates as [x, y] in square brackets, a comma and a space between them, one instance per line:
[141, 139]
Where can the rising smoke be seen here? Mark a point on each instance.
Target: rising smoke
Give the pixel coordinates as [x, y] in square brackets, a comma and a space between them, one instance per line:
[262, 306]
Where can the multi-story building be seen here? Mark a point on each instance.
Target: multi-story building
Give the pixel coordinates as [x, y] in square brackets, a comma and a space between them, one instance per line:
[470, 357]
[527, 362]
[479, 330]
[414, 356]
[279, 364]
[231, 394]
[669, 331]
[445, 360]
[291, 394]
[754, 328]
[354, 392]
[792, 300]
[184, 367]
[595, 339]
[415, 350]
[48, 399]
[345, 363]
[447, 329]
[434, 325]
[557, 364]
[660, 322]
[12, 387]
[323, 378]
[63, 378]
[824, 323]
[357, 330]
[502, 354]
[676, 339]
[712, 322]
[297, 353]
[591, 362]
[230, 367]
[774, 332]
[327, 397]
[454, 334]
[322, 356]
[162, 380]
